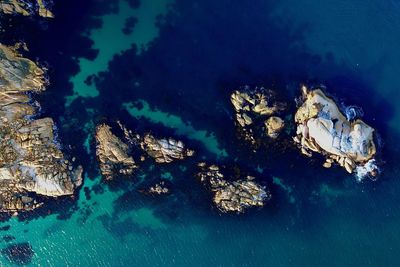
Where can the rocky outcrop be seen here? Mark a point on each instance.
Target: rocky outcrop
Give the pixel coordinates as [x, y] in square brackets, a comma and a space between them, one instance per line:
[31, 163]
[257, 108]
[116, 156]
[232, 196]
[274, 125]
[322, 128]
[112, 153]
[164, 150]
[25, 7]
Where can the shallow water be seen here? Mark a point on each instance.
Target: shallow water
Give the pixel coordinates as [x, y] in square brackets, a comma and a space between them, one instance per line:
[196, 55]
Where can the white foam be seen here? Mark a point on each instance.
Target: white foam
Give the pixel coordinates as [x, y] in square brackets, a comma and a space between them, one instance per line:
[366, 170]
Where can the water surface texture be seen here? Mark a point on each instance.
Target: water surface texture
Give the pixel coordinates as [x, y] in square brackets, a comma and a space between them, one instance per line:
[169, 66]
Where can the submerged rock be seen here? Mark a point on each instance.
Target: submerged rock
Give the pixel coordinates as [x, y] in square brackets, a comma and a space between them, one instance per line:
[112, 154]
[322, 128]
[257, 108]
[165, 150]
[31, 163]
[159, 188]
[232, 196]
[25, 7]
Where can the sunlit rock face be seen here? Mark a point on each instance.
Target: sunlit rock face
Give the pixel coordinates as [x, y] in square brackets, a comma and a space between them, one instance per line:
[165, 150]
[233, 196]
[115, 154]
[257, 111]
[112, 154]
[322, 128]
[31, 163]
[25, 7]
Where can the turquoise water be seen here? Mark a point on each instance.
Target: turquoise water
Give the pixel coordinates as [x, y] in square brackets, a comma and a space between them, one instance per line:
[110, 40]
[178, 82]
[181, 128]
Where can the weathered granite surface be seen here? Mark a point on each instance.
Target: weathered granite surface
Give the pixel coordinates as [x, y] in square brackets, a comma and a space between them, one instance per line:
[232, 196]
[322, 128]
[31, 163]
[165, 150]
[257, 107]
[112, 153]
[116, 156]
[25, 7]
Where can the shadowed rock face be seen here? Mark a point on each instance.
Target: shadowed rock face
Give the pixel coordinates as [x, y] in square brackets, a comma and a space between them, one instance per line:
[31, 163]
[25, 8]
[232, 196]
[322, 128]
[112, 153]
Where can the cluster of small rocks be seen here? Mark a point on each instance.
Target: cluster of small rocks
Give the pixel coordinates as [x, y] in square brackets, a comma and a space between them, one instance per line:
[232, 196]
[257, 105]
[159, 188]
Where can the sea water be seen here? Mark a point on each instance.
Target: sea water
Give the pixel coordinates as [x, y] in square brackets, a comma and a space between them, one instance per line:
[196, 53]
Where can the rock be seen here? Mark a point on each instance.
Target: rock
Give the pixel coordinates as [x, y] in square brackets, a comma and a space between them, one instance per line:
[25, 8]
[274, 126]
[165, 150]
[232, 196]
[116, 157]
[31, 164]
[255, 108]
[327, 164]
[322, 128]
[112, 154]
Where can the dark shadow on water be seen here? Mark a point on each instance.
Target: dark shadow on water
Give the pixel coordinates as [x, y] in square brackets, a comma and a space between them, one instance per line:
[20, 254]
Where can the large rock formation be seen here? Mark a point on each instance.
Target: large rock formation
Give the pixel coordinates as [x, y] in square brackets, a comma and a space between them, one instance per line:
[112, 153]
[31, 163]
[116, 156]
[257, 108]
[232, 196]
[322, 128]
[25, 7]
[164, 150]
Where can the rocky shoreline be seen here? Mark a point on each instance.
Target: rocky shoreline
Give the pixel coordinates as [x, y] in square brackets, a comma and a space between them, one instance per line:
[25, 8]
[31, 164]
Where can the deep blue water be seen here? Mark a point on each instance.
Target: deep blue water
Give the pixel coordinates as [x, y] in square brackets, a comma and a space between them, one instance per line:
[173, 75]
